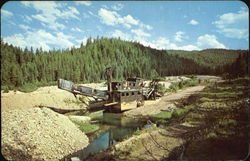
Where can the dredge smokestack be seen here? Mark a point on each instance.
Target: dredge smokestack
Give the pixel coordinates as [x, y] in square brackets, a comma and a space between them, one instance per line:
[109, 79]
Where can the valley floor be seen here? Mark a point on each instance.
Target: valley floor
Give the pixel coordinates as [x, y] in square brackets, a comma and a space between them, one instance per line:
[215, 128]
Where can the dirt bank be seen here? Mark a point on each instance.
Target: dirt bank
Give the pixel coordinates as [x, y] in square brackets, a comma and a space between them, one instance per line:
[39, 134]
[166, 102]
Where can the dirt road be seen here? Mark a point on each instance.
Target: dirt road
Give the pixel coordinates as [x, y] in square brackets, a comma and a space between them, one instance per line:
[164, 103]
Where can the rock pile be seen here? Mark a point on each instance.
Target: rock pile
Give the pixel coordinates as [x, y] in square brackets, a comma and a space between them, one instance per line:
[39, 134]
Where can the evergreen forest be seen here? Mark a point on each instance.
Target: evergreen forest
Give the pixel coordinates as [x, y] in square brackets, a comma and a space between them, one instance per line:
[87, 63]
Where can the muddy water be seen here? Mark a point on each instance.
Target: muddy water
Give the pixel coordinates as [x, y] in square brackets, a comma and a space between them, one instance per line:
[113, 128]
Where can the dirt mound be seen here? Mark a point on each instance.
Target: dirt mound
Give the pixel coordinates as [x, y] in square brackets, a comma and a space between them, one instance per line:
[50, 96]
[44, 96]
[39, 134]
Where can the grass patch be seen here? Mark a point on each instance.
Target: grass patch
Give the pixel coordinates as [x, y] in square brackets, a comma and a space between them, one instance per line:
[227, 122]
[163, 115]
[221, 95]
[181, 111]
[182, 84]
[87, 128]
[166, 117]
[28, 88]
[212, 135]
[205, 99]
[213, 105]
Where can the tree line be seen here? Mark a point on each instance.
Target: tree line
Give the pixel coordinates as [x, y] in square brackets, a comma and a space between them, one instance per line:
[128, 59]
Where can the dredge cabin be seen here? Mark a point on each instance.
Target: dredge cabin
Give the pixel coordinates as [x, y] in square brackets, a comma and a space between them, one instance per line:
[125, 95]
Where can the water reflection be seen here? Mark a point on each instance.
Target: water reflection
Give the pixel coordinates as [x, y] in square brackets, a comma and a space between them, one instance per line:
[119, 128]
[112, 136]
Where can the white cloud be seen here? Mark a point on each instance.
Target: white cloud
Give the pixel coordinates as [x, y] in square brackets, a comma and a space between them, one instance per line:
[122, 35]
[85, 3]
[235, 33]
[40, 38]
[202, 42]
[24, 27]
[179, 36]
[148, 27]
[27, 19]
[76, 29]
[51, 12]
[112, 18]
[140, 33]
[234, 25]
[209, 41]
[159, 43]
[117, 7]
[108, 17]
[231, 18]
[72, 12]
[130, 20]
[163, 43]
[6, 13]
[48, 21]
[193, 22]
[83, 41]
[105, 6]
[188, 47]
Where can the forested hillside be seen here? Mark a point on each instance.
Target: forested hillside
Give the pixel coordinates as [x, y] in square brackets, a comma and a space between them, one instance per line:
[210, 57]
[128, 59]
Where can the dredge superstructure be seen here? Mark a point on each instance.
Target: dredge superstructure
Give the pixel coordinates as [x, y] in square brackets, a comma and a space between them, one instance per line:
[119, 96]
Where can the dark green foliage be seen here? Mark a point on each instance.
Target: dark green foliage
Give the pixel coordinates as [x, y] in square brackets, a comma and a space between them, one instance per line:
[128, 59]
[27, 87]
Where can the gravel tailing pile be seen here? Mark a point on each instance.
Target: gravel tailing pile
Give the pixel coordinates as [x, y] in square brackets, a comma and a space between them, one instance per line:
[39, 134]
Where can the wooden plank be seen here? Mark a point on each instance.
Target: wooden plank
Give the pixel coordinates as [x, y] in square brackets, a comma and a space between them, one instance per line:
[110, 104]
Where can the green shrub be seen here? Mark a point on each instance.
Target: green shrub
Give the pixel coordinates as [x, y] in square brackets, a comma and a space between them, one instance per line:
[162, 121]
[205, 99]
[138, 131]
[227, 122]
[163, 115]
[5, 89]
[180, 111]
[212, 135]
[174, 87]
[162, 89]
[28, 88]
[181, 84]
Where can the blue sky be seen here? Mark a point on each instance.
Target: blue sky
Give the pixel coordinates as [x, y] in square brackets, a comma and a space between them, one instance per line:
[179, 25]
